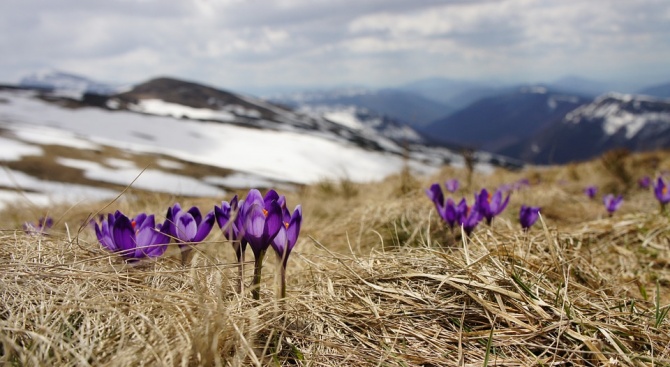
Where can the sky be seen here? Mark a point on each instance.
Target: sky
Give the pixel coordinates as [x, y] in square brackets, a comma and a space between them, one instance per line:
[261, 45]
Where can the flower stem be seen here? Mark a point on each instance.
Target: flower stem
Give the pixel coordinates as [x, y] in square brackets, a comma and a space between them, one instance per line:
[258, 267]
[185, 251]
[282, 284]
[240, 268]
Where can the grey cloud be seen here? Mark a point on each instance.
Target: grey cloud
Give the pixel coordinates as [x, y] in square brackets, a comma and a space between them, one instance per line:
[314, 41]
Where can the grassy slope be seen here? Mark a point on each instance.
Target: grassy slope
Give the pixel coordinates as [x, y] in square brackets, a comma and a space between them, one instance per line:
[375, 280]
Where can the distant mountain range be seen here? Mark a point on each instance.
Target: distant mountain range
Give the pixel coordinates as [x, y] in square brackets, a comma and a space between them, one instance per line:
[407, 107]
[611, 121]
[495, 123]
[520, 122]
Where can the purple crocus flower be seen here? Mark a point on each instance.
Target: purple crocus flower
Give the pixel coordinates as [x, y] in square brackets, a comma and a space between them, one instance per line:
[286, 239]
[528, 215]
[469, 216]
[288, 233]
[436, 196]
[132, 238]
[262, 220]
[644, 182]
[612, 203]
[491, 205]
[450, 212]
[188, 227]
[452, 185]
[226, 218]
[40, 228]
[661, 192]
[591, 191]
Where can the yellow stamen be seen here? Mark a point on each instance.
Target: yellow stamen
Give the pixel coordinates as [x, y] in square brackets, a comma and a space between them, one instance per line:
[265, 212]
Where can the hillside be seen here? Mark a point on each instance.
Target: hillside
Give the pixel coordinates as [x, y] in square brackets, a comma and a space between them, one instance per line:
[375, 276]
[194, 140]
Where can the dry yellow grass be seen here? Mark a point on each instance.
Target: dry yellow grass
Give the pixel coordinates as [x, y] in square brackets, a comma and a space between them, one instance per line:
[374, 280]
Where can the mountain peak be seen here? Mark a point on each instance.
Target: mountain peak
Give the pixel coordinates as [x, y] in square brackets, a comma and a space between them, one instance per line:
[65, 83]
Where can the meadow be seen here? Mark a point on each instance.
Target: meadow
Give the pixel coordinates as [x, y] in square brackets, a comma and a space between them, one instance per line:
[376, 278]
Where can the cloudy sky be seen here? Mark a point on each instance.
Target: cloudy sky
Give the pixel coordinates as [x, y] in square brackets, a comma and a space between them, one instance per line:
[252, 45]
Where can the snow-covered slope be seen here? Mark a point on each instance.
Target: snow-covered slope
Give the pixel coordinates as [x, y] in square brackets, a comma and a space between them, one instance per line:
[364, 121]
[262, 157]
[231, 140]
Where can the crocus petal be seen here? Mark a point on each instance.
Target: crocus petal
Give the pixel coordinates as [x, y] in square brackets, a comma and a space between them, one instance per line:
[293, 230]
[254, 197]
[270, 196]
[123, 235]
[435, 195]
[205, 227]
[145, 232]
[222, 214]
[195, 213]
[185, 227]
[104, 236]
[450, 213]
[273, 221]
[169, 226]
[139, 219]
[280, 243]
[255, 221]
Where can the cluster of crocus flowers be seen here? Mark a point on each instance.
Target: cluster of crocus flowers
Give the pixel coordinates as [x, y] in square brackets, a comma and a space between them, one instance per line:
[467, 216]
[258, 221]
[40, 228]
[133, 238]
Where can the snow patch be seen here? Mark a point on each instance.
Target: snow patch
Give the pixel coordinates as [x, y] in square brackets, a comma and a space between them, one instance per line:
[150, 179]
[166, 163]
[345, 117]
[243, 181]
[45, 135]
[12, 150]
[162, 108]
[278, 155]
[46, 192]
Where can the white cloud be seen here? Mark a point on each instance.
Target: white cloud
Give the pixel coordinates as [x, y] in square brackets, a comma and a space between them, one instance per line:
[237, 43]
